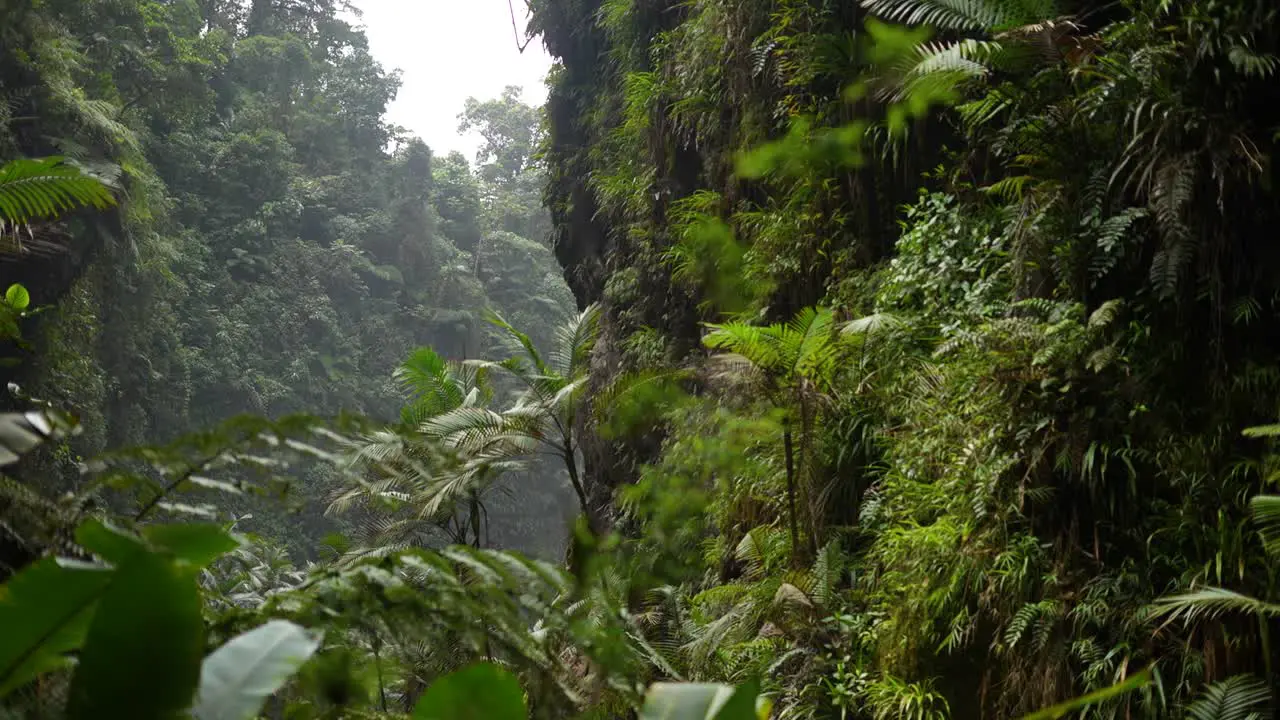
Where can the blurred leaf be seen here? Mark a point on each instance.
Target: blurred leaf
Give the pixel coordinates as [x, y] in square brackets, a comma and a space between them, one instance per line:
[196, 543]
[45, 612]
[238, 677]
[1053, 713]
[703, 701]
[109, 542]
[18, 297]
[141, 659]
[20, 433]
[202, 511]
[480, 692]
[1262, 431]
[212, 484]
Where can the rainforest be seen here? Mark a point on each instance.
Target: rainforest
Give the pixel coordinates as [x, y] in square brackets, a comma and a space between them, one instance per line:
[796, 359]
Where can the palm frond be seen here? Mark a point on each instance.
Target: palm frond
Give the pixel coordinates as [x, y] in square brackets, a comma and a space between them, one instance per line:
[470, 423]
[431, 384]
[869, 324]
[1266, 513]
[574, 341]
[1212, 602]
[523, 342]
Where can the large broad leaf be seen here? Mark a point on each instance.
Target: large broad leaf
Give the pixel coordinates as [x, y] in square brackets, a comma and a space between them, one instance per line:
[480, 692]
[45, 612]
[109, 542]
[703, 701]
[198, 544]
[20, 433]
[141, 659]
[238, 677]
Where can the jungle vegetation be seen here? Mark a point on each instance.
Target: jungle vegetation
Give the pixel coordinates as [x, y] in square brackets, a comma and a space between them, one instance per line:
[924, 365]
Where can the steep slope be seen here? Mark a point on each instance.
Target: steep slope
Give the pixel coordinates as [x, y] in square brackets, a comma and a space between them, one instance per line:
[1044, 238]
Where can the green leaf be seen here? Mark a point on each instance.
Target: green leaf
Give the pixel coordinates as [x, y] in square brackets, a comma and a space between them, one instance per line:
[109, 542]
[45, 188]
[1135, 682]
[480, 692]
[196, 543]
[703, 701]
[45, 612]
[1262, 431]
[141, 659]
[238, 677]
[17, 297]
[745, 704]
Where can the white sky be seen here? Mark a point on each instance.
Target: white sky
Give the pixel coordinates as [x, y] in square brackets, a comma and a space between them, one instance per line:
[449, 50]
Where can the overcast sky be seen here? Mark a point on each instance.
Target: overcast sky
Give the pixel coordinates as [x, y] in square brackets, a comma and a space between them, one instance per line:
[449, 50]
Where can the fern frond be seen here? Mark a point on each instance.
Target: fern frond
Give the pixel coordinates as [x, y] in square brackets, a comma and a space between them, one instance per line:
[968, 57]
[756, 344]
[1240, 697]
[1106, 314]
[958, 15]
[45, 188]
[809, 342]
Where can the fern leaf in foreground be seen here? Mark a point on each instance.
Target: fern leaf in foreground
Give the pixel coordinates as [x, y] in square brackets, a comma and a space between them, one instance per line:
[45, 188]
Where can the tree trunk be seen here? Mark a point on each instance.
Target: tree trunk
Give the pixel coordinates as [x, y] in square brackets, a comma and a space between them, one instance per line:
[475, 520]
[377, 662]
[571, 464]
[812, 497]
[791, 492]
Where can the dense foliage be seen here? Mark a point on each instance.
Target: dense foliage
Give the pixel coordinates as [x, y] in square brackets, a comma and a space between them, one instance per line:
[1002, 302]
[279, 248]
[925, 367]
